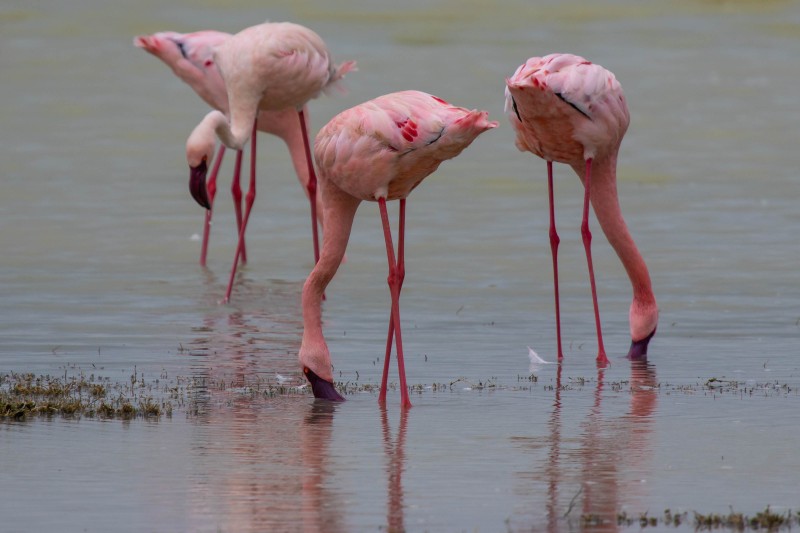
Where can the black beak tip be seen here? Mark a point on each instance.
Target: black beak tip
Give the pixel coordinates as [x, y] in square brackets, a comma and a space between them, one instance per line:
[638, 348]
[197, 184]
[323, 390]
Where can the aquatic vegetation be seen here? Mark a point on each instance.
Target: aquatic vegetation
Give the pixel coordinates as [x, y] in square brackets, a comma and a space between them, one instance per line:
[764, 520]
[27, 395]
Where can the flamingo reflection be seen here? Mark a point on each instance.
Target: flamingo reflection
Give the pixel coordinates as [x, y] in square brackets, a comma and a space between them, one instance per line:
[261, 462]
[614, 448]
[591, 478]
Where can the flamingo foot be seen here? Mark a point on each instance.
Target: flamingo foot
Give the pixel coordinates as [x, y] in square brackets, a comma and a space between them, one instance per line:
[324, 390]
[639, 348]
[197, 184]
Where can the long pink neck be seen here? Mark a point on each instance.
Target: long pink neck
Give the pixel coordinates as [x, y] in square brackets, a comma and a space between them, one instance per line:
[340, 210]
[605, 201]
[233, 134]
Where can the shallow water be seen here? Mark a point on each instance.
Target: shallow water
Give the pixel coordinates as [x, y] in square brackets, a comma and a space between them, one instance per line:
[99, 274]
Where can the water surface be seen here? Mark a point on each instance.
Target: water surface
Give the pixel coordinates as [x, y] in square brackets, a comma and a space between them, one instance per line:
[99, 275]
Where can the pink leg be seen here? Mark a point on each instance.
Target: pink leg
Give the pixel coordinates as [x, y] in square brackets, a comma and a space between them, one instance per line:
[401, 273]
[236, 192]
[385, 379]
[311, 186]
[396, 272]
[248, 205]
[587, 242]
[211, 187]
[554, 241]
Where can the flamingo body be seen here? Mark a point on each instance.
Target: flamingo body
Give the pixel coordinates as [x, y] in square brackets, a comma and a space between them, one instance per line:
[268, 67]
[278, 64]
[566, 109]
[377, 151]
[569, 109]
[385, 147]
[191, 58]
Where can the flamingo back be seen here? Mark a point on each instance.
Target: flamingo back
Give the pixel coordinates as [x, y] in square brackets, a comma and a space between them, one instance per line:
[385, 147]
[276, 65]
[565, 108]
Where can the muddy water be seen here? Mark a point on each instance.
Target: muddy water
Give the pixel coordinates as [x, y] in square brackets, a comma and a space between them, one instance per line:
[99, 275]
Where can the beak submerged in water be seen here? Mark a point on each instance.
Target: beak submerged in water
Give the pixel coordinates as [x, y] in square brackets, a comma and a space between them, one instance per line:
[197, 184]
[639, 348]
[322, 389]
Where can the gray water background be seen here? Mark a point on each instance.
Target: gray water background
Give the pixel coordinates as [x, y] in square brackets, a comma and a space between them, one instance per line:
[99, 274]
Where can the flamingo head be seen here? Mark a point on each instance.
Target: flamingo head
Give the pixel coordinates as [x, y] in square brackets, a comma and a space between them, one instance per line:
[199, 152]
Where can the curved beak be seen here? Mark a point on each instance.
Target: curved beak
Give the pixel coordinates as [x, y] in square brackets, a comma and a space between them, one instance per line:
[638, 349]
[197, 184]
[322, 389]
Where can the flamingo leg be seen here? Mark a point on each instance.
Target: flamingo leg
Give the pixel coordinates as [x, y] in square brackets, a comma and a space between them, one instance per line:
[311, 186]
[587, 241]
[388, 356]
[236, 192]
[248, 205]
[401, 275]
[554, 241]
[211, 187]
[396, 275]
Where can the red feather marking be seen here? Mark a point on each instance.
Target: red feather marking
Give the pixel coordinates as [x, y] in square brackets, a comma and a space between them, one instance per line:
[408, 129]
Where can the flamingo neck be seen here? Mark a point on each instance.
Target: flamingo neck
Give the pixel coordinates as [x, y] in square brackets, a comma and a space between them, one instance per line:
[234, 136]
[605, 201]
[339, 213]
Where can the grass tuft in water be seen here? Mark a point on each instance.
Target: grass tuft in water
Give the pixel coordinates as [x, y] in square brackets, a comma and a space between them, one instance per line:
[28, 395]
[765, 520]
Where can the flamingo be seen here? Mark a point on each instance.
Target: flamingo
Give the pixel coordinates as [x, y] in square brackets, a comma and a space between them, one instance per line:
[192, 58]
[377, 151]
[569, 110]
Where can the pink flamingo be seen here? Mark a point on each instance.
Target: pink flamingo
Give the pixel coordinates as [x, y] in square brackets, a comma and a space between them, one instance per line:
[192, 58]
[377, 151]
[566, 109]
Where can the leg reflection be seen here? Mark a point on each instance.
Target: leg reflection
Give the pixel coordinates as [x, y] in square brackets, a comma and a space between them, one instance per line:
[395, 455]
[554, 457]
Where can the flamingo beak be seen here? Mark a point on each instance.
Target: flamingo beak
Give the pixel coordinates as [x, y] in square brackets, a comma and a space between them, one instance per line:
[324, 390]
[639, 348]
[197, 184]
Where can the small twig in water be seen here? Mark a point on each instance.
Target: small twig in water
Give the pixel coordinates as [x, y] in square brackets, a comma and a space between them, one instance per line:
[572, 502]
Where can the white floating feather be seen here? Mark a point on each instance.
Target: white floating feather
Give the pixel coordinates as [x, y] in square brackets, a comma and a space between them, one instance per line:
[536, 361]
